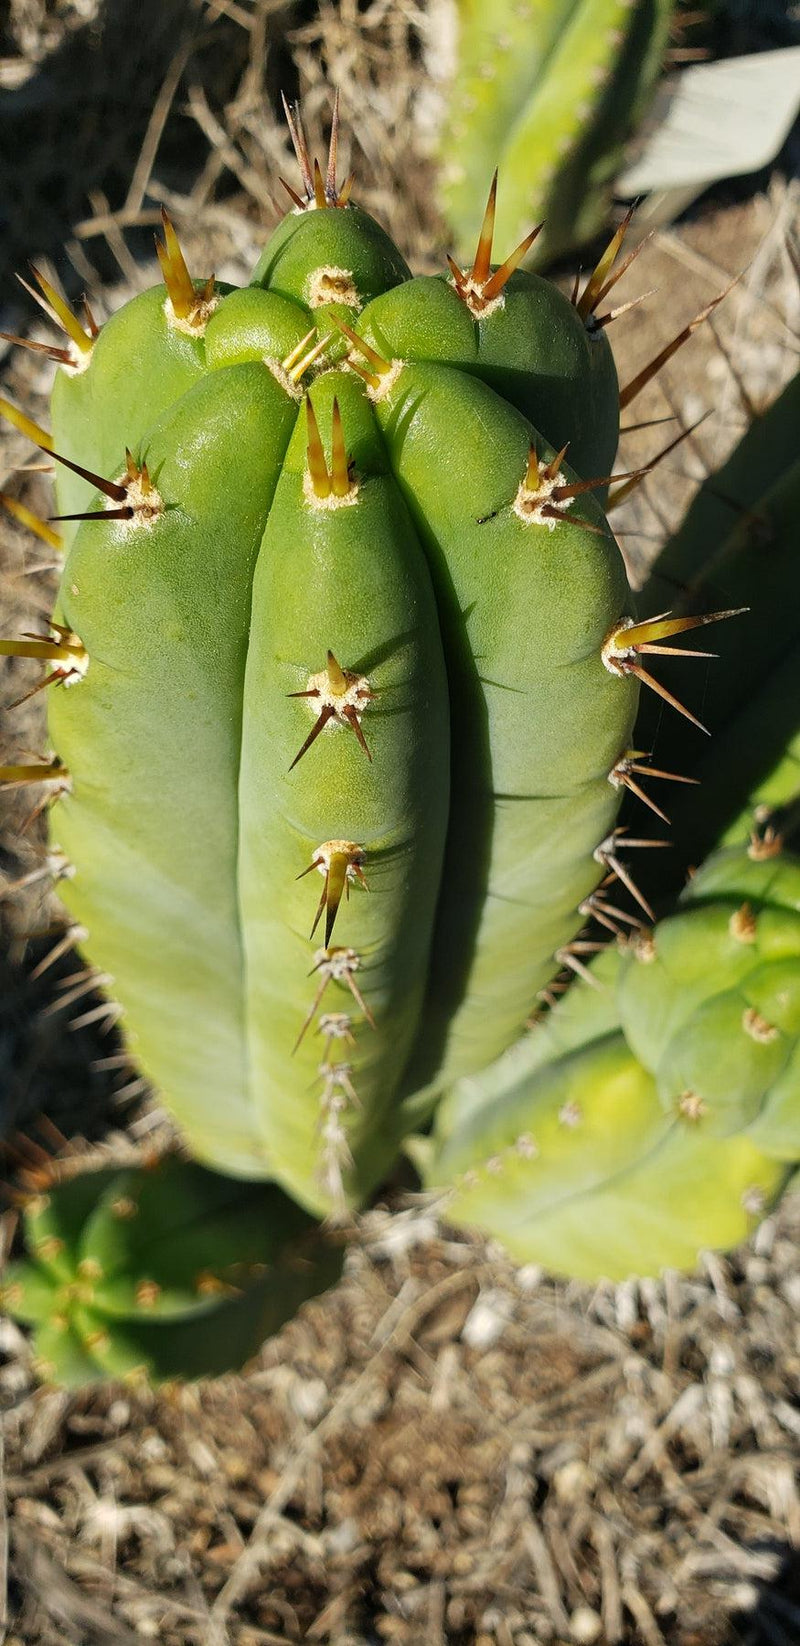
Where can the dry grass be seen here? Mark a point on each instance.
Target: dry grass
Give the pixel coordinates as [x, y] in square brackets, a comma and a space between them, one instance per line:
[444, 1450]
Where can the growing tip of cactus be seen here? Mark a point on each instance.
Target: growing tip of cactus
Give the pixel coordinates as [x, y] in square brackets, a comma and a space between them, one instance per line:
[330, 487]
[481, 287]
[188, 308]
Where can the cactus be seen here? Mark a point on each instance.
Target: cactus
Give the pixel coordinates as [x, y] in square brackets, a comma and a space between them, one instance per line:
[342, 674]
[658, 1112]
[162, 1272]
[548, 91]
[604, 1153]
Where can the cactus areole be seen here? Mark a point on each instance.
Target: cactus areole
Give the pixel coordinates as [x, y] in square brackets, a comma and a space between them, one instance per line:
[344, 670]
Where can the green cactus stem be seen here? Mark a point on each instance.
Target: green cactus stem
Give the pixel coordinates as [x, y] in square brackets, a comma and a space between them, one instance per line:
[655, 1108]
[161, 1272]
[352, 666]
[548, 91]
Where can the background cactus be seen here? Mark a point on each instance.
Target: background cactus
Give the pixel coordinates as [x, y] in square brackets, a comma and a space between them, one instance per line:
[658, 1112]
[164, 1271]
[548, 91]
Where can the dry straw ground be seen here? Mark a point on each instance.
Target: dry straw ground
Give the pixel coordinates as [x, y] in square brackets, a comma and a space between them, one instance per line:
[444, 1450]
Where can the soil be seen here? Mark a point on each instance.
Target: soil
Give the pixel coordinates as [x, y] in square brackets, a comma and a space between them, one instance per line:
[444, 1449]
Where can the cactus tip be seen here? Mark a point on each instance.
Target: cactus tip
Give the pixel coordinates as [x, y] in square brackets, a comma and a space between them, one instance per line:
[480, 288]
[319, 192]
[186, 308]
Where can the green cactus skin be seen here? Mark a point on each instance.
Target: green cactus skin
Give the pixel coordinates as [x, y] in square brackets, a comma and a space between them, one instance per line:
[154, 741]
[171, 1271]
[511, 347]
[341, 255]
[352, 578]
[310, 535]
[714, 1010]
[596, 1162]
[548, 91]
[139, 366]
[526, 771]
[694, 1028]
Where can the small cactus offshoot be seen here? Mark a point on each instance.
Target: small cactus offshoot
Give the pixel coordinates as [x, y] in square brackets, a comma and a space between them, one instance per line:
[167, 1271]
